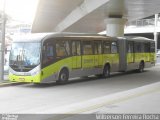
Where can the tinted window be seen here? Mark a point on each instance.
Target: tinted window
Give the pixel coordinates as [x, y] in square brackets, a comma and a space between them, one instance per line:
[97, 47]
[137, 47]
[48, 53]
[130, 47]
[142, 47]
[106, 48]
[87, 48]
[62, 49]
[76, 48]
[152, 47]
[114, 47]
[147, 47]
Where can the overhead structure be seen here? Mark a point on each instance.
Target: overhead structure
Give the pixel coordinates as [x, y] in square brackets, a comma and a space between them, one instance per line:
[115, 26]
[90, 16]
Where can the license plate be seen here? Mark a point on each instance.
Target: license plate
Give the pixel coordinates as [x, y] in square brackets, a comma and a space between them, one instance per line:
[22, 79]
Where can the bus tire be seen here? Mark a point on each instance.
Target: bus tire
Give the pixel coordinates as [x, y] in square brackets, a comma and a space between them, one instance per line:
[106, 71]
[63, 76]
[99, 75]
[141, 67]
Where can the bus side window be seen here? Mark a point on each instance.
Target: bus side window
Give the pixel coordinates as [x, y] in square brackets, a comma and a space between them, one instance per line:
[137, 47]
[97, 47]
[130, 47]
[147, 47]
[152, 47]
[48, 53]
[142, 47]
[62, 49]
[67, 47]
[106, 48]
[87, 48]
[76, 48]
[114, 47]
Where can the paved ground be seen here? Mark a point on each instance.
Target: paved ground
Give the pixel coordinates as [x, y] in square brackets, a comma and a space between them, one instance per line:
[31, 98]
[158, 60]
[141, 100]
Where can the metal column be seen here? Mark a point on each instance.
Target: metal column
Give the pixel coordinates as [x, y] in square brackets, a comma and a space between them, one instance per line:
[155, 31]
[2, 43]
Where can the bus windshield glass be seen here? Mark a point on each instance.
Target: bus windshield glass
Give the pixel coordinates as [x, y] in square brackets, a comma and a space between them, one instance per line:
[24, 56]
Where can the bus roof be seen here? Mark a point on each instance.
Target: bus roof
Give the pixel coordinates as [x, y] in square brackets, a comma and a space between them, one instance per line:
[37, 37]
[138, 38]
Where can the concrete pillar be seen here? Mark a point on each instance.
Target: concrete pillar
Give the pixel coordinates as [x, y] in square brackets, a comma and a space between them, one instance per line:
[115, 27]
[2, 43]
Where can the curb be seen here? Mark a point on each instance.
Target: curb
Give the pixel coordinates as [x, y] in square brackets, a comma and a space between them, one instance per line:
[6, 84]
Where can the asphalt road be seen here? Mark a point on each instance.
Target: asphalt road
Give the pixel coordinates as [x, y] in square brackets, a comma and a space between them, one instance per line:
[29, 98]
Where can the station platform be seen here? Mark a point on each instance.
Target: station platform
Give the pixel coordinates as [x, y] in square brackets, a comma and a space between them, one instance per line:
[140, 103]
[139, 100]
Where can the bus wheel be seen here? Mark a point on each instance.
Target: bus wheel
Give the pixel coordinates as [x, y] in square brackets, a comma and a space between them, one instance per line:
[99, 75]
[63, 76]
[141, 67]
[106, 71]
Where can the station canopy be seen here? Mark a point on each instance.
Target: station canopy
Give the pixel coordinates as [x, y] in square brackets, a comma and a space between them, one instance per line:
[88, 16]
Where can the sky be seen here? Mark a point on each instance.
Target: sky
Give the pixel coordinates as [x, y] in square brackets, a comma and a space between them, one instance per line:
[21, 10]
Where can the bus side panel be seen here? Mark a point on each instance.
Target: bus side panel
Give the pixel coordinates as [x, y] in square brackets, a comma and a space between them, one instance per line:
[74, 62]
[98, 61]
[87, 61]
[79, 62]
[114, 62]
[88, 66]
[139, 57]
[147, 57]
[51, 72]
[152, 53]
[130, 58]
[152, 57]
[107, 58]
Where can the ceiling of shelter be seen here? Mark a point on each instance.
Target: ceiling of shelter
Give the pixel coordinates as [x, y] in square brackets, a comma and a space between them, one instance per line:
[88, 16]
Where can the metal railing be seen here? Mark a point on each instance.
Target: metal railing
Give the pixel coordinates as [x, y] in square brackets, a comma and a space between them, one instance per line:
[143, 23]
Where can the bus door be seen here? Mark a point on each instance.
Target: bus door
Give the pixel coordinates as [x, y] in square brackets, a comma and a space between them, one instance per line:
[115, 55]
[76, 54]
[130, 53]
[147, 51]
[152, 52]
[98, 54]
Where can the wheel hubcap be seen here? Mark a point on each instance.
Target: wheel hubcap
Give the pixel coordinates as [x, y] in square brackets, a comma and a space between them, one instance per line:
[106, 72]
[63, 76]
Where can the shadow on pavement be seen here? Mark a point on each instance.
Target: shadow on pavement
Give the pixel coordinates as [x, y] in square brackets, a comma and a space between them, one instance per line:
[83, 79]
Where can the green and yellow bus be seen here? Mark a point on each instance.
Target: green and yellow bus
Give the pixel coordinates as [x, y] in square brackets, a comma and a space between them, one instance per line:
[44, 58]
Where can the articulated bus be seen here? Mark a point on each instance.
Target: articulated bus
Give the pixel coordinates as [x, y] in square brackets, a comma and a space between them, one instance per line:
[44, 58]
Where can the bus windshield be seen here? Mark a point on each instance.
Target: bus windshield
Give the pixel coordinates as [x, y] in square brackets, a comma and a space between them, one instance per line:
[24, 56]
